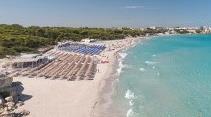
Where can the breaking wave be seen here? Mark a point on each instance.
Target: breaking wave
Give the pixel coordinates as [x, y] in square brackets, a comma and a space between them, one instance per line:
[119, 70]
[121, 65]
[123, 55]
[130, 113]
[130, 96]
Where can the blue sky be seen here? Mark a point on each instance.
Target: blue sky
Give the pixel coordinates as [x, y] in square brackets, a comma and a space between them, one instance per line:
[106, 13]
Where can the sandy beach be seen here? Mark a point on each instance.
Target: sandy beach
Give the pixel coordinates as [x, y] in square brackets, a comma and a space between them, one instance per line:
[61, 98]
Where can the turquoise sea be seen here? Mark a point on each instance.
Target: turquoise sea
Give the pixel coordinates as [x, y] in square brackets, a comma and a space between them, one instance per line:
[166, 76]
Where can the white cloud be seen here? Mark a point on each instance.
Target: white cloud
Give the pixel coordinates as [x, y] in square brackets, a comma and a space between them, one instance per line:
[133, 7]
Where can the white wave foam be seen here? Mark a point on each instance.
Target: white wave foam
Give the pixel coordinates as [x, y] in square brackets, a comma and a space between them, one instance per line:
[130, 113]
[142, 69]
[123, 55]
[154, 55]
[119, 70]
[129, 95]
[121, 65]
[150, 62]
[131, 103]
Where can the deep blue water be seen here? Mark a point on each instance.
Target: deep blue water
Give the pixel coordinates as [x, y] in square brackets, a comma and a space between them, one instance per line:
[167, 76]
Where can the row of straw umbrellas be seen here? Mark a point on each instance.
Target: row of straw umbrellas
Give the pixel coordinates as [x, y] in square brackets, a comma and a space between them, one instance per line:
[66, 66]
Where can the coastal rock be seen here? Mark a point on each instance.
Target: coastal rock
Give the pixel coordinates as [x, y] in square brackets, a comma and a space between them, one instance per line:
[1, 100]
[10, 105]
[20, 103]
[9, 99]
[9, 108]
[24, 112]
[14, 95]
[5, 113]
[5, 109]
[1, 109]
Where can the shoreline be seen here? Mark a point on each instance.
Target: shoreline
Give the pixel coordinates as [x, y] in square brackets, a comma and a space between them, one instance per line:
[133, 108]
[104, 101]
[53, 98]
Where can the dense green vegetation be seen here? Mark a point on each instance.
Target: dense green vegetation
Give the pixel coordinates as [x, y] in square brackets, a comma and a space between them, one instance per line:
[15, 38]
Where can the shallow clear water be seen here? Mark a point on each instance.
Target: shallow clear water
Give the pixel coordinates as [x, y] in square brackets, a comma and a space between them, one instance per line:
[168, 76]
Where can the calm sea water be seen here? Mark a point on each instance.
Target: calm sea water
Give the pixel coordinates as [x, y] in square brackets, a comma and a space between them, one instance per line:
[168, 76]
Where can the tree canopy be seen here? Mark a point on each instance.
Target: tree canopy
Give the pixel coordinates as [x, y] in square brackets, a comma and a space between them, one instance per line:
[15, 38]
